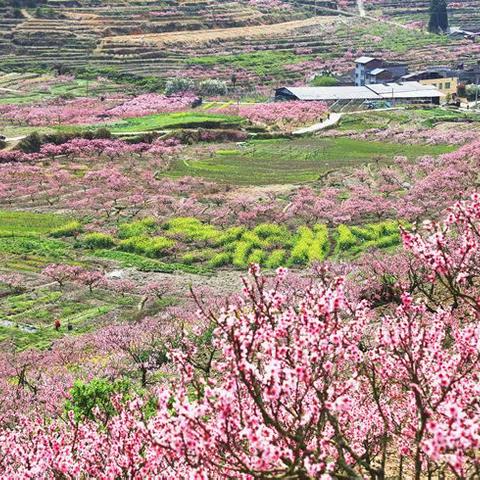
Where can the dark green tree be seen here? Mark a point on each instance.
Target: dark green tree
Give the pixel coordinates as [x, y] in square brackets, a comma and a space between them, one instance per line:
[93, 400]
[31, 143]
[438, 16]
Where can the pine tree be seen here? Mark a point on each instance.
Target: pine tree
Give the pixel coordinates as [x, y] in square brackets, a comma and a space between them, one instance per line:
[438, 16]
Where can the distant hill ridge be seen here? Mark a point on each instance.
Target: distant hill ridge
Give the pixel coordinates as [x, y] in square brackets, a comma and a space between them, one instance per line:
[144, 36]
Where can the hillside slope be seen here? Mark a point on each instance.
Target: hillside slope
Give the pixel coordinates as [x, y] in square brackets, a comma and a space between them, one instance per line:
[272, 41]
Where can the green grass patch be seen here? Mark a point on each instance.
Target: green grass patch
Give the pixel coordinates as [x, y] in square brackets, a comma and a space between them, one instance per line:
[174, 120]
[24, 223]
[284, 161]
[53, 249]
[132, 260]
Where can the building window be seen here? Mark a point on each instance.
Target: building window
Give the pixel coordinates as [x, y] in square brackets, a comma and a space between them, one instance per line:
[440, 86]
[448, 85]
[434, 84]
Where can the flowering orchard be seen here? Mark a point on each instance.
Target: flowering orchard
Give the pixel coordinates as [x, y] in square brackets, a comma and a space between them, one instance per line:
[304, 383]
[282, 113]
[94, 110]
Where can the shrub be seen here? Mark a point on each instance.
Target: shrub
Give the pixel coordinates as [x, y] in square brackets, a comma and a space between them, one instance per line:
[364, 233]
[345, 239]
[102, 133]
[178, 85]
[230, 235]
[276, 258]
[299, 254]
[137, 229]
[253, 239]
[383, 242]
[58, 138]
[324, 81]
[265, 230]
[88, 400]
[148, 246]
[98, 240]
[197, 256]
[212, 88]
[273, 235]
[70, 229]
[240, 255]
[191, 229]
[257, 256]
[220, 260]
[320, 245]
[385, 228]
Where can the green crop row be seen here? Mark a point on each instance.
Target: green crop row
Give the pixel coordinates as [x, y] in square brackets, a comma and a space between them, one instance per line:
[192, 243]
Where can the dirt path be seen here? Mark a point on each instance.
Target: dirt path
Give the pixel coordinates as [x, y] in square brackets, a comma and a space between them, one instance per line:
[26, 14]
[361, 8]
[223, 282]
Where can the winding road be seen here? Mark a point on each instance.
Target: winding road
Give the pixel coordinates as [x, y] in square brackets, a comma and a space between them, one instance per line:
[331, 121]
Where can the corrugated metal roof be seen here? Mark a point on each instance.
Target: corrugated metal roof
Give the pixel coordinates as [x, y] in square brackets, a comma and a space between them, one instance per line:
[364, 59]
[430, 93]
[414, 74]
[332, 93]
[375, 91]
[376, 71]
[405, 90]
[397, 87]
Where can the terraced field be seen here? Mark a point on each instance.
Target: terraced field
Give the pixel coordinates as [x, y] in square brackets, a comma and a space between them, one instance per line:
[164, 40]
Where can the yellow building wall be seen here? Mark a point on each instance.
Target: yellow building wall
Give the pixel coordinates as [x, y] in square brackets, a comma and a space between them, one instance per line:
[445, 85]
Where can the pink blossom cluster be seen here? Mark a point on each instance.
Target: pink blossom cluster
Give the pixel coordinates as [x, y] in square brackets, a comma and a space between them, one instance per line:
[88, 148]
[62, 273]
[430, 136]
[13, 156]
[94, 110]
[150, 103]
[78, 111]
[280, 113]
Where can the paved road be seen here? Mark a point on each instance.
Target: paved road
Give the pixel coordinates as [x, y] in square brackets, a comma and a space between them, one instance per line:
[332, 120]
